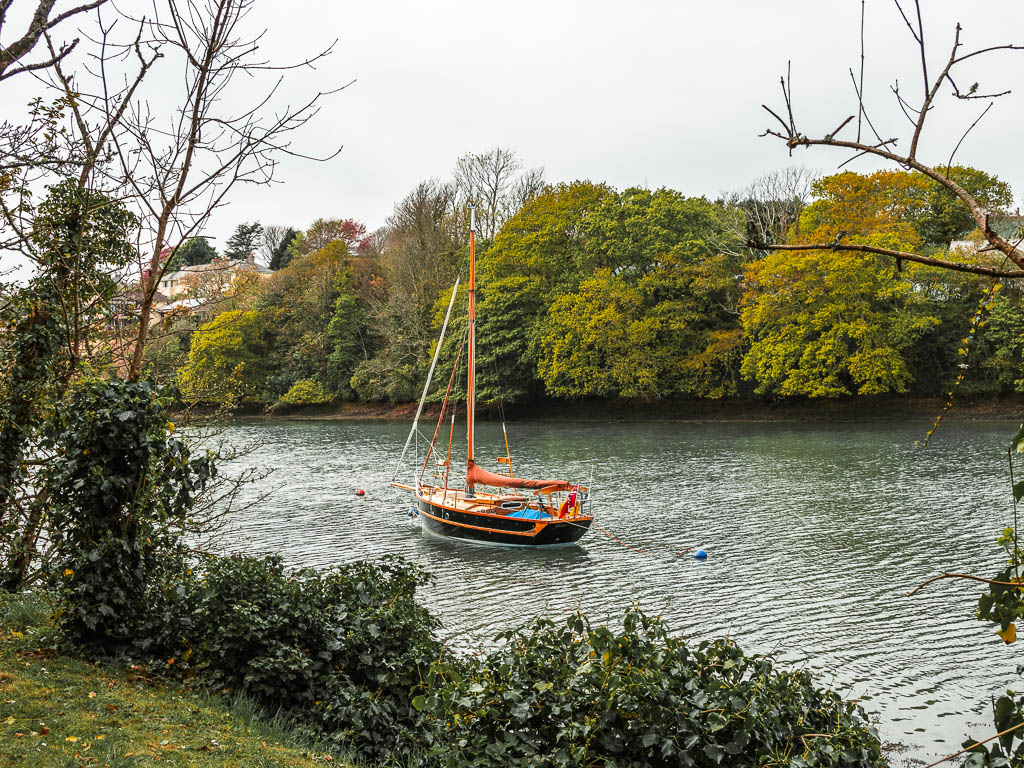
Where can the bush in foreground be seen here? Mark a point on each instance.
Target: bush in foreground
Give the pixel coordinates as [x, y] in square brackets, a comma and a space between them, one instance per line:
[341, 651]
[571, 694]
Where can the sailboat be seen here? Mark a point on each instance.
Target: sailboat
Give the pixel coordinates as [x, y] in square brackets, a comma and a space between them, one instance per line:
[495, 508]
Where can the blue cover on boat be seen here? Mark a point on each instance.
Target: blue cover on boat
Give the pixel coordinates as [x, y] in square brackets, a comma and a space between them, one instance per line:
[529, 514]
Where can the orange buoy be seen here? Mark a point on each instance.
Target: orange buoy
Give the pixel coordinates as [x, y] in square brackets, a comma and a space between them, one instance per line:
[360, 492]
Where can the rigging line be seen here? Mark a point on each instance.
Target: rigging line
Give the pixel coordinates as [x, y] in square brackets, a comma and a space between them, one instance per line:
[501, 413]
[444, 405]
[430, 374]
[616, 539]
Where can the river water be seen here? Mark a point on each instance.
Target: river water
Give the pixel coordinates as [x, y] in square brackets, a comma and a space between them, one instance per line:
[815, 534]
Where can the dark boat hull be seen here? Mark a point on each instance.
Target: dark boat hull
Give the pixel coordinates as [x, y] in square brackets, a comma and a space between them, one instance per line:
[497, 530]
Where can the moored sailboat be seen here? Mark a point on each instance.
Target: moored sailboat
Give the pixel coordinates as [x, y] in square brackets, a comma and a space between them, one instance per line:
[489, 507]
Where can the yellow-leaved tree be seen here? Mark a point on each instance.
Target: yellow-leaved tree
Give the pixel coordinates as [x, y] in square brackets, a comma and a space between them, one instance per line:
[827, 323]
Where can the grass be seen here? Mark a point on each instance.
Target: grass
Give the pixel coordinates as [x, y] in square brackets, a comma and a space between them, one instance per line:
[61, 712]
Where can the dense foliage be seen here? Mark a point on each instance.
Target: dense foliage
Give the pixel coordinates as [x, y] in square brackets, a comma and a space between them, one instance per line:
[571, 694]
[588, 292]
[339, 650]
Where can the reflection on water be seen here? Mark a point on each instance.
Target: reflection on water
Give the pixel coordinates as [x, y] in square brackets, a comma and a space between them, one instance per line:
[815, 534]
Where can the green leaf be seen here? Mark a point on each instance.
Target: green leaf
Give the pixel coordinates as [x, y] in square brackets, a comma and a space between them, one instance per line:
[419, 702]
[715, 752]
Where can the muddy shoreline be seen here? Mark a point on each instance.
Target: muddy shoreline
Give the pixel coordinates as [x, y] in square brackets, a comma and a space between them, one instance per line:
[882, 409]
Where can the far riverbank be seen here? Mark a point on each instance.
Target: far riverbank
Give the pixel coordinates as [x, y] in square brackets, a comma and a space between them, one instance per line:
[861, 410]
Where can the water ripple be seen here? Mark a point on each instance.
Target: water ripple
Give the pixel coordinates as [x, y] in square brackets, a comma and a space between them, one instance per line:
[816, 534]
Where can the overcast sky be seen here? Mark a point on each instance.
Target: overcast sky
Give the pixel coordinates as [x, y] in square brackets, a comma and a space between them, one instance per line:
[642, 93]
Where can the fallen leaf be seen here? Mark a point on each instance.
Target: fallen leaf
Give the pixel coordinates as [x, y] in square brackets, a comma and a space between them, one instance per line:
[43, 731]
[71, 738]
[92, 694]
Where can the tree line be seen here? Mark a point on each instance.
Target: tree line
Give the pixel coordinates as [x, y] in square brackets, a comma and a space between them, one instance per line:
[586, 291]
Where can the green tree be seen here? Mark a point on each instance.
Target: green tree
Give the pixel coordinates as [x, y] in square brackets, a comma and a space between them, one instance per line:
[78, 240]
[346, 334]
[281, 255]
[511, 316]
[946, 218]
[633, 231]
[661, 243]
[546, 239]
[597, 342]
[297, 306]
[192, 253]
[828, 323]
[245, 241]
[226, 362]
[695, 308]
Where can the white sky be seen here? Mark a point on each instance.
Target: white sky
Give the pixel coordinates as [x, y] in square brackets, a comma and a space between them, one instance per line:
[650, 93]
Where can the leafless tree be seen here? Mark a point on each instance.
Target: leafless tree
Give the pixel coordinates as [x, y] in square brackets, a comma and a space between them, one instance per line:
[529, 184]
[772, 203]
[869, 141]
[492, 181]
[177, 166]
[172, 159]
[273, 234]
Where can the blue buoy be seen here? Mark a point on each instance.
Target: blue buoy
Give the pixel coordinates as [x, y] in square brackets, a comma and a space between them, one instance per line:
[700, 554]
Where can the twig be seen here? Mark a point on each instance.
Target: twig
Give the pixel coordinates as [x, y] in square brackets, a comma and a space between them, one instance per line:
[968, 749]
[957, 147]
[860, 89]
[969, 576]
[973, 269]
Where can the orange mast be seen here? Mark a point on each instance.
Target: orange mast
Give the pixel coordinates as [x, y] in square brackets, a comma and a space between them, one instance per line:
[471, 394]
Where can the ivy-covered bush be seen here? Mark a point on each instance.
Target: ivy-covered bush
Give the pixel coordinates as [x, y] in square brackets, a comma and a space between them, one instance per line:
[342, 651]
[122, 486]
[572, 694]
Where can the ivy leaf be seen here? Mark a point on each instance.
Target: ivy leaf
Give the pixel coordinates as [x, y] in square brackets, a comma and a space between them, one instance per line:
[1015, 444]
[715, 752]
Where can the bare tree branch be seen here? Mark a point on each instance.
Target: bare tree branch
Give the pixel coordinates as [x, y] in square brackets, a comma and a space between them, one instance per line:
[956, 266]
[38, 26]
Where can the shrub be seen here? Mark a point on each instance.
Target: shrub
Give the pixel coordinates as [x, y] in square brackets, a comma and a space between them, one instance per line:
[304, 392]
[571, 694]
[122, 486]
[343, 651]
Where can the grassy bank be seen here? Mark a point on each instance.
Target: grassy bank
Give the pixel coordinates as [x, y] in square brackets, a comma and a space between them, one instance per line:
[59, 711]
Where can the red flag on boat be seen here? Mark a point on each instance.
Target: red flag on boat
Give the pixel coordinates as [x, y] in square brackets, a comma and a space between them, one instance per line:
[569, 505]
